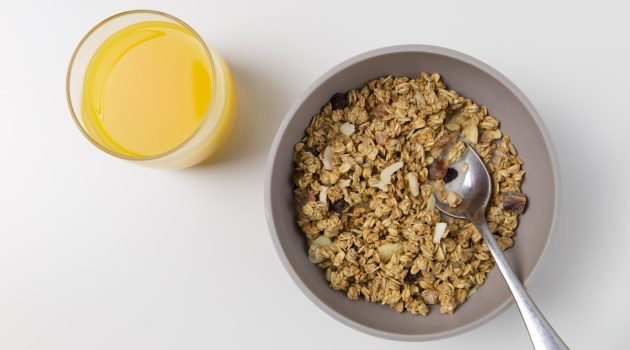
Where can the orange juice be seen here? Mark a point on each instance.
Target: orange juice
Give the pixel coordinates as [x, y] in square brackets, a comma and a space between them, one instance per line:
[152, 89]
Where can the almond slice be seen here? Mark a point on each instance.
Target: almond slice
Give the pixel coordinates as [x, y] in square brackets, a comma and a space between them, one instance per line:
[327, 158]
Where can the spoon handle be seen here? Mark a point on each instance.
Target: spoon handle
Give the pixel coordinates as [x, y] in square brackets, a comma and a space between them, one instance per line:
[540, 331]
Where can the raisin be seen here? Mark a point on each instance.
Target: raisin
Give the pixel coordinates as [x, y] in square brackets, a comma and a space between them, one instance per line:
[451, 174]
[338, 101]
[312, 150]
[437, 169]
[412, 277]
[339, 205]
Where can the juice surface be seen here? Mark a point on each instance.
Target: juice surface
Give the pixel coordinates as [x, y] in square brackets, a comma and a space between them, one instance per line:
[146, 89]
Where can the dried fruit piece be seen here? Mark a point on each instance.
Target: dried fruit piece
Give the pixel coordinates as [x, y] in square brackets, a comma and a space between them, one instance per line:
[430, 296]
[437, 169]
[339, 205]
[347, 128]
[339, 101]
[412, 277]
[310, 196]
[309, 149]
[514, 202]
[386, 251]
[451, 174]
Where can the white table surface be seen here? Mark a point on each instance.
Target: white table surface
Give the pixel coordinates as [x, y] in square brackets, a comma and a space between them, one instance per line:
[97, 253]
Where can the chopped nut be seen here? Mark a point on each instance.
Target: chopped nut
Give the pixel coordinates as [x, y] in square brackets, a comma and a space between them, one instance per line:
[379, 111]
[514, 202]
[381, 138]
[430, 296]
[442, 140]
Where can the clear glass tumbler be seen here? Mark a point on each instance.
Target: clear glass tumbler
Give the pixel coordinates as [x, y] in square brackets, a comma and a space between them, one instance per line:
[216, 124]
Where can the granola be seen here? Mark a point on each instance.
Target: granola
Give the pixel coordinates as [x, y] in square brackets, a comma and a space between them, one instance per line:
[367, 175]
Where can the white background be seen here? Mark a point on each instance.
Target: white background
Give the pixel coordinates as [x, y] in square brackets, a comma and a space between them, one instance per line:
[96, 253]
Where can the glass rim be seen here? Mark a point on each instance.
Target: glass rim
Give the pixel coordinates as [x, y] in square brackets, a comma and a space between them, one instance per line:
[80, 46]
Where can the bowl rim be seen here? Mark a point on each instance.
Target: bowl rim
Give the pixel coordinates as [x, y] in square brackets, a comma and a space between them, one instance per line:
[409, 48]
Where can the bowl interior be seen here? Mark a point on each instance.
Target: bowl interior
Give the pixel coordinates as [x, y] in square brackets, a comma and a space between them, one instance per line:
[472, 79]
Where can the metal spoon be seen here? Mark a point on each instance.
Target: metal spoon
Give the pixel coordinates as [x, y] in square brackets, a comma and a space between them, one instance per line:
[475, 188]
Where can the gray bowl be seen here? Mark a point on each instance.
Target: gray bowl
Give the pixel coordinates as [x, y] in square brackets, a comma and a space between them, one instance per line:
[472, 79]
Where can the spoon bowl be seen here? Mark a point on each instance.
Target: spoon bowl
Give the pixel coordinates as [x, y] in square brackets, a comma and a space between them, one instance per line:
[475, 189]
[474, 186]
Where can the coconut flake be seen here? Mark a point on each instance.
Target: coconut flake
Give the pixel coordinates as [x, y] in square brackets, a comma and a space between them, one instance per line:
[327, 158]
[382, 186]
[431, 202]
[386, 174]
[347, 128]
[412, 179]
[323, 194]
[440, 228]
